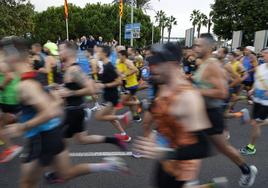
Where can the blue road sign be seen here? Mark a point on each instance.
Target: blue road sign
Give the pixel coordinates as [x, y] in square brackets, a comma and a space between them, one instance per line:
[135, 28]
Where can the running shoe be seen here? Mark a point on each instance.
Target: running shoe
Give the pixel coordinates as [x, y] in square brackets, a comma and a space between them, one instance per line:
[247, 180]
[52, 178]
[247, 151]
[118, 164]
[121, 142]
[124, 138]
[137, 155]
[10, 153]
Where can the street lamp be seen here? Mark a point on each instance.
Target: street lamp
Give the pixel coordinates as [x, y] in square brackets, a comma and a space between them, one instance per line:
[132, 16]
[153, 25]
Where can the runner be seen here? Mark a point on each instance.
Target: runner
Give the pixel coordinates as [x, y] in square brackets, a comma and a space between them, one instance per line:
[129, 72]
[76, 87]
[211, 82]
[110, 81]
[260, 108]
[8, 109]
[40, 122]
[52, 64]
[179, 113]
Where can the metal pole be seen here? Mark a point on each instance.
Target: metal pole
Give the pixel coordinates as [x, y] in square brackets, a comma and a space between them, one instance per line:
[132, 16]
[120, 30]
[67, 29]
[152, 33]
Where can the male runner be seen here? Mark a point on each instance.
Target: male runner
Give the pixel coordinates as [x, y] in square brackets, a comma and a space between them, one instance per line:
[260, 108]
[179, 114]
[8, 109]
[212, 84]
[128, 71]
[110, 82]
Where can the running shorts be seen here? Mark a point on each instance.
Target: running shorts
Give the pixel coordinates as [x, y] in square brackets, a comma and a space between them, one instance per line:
[216, 117]
[43, 147]
[260, 111]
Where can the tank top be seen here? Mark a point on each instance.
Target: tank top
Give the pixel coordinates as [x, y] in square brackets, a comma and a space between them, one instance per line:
[9, 95]
[176, 135]
[131, 80]
[202, 84]
[74, 100]
[28, 112]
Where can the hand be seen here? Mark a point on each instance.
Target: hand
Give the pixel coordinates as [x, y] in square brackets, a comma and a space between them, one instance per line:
[65, 92]
[13, 130]
[266, 93]
[148, 148]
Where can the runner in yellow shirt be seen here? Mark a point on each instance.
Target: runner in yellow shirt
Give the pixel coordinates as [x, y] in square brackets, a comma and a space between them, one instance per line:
[128, 72]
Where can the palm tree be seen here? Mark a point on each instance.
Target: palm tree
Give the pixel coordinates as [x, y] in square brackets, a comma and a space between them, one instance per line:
[194, 18]
[202, 21]
[171, 21]
[210, 20]
[161, 18]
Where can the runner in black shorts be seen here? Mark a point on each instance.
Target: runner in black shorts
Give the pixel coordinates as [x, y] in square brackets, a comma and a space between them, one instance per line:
[211, 82]
[110, 81]
[76, 87]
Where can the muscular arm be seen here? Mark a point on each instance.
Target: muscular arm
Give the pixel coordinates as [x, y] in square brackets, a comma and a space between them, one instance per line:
[76, 75]
[215, 76]
[38, 98]
[235, 77]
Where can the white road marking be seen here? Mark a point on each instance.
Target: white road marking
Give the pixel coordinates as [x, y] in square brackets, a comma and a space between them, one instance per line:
[100, 154]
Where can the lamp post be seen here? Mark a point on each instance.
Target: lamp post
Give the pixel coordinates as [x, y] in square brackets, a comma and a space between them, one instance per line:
[132, 16]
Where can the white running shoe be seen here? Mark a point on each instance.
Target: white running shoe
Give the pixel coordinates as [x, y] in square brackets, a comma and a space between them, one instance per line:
[247, 180]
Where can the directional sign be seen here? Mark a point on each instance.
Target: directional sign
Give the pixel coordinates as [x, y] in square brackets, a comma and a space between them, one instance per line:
[135, 29]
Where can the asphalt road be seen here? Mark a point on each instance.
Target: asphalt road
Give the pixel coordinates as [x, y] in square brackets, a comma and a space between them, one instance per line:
[142, 169]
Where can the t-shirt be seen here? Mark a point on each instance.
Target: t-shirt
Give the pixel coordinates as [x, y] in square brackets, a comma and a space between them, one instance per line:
[109, 75]
[261, 85]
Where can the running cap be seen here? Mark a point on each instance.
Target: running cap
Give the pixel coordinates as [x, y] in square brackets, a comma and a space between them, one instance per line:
[251, 48]
[52, 47]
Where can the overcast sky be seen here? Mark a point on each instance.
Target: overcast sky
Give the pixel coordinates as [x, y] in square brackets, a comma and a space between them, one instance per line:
[181, 9]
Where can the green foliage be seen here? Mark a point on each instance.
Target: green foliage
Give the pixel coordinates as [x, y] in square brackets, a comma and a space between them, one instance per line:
[233, 15]
[198, 19]
[94, 19]
[16, 17]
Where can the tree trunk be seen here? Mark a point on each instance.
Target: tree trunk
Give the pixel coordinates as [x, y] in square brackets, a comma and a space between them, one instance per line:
[194, 30]
[209, 26]
[169, 32]
[162, 35]
[198, 31]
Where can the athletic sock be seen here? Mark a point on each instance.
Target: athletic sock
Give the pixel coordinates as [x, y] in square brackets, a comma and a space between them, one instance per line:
[111, 140]
[123, 133]
[245, 169]
[251, 146]
[119, 117]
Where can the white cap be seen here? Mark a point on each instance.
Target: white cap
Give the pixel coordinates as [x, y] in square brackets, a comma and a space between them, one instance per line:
[251, 48]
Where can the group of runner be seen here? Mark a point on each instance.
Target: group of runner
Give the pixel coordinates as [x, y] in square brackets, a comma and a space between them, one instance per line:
[190, 93]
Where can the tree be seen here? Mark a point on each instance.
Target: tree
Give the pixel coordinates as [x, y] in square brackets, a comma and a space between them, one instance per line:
[211, 14]
[161, 18]
[16, 17]
[93, 19]
[234, 15]
[194, 18]
[202, 21]
[170, 22]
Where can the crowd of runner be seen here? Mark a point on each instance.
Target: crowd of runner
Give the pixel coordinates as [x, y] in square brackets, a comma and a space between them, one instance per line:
[190, 93]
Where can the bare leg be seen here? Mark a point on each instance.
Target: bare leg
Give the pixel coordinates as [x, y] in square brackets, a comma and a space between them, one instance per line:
[84, 138]
[228, 150]
[30, 174]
